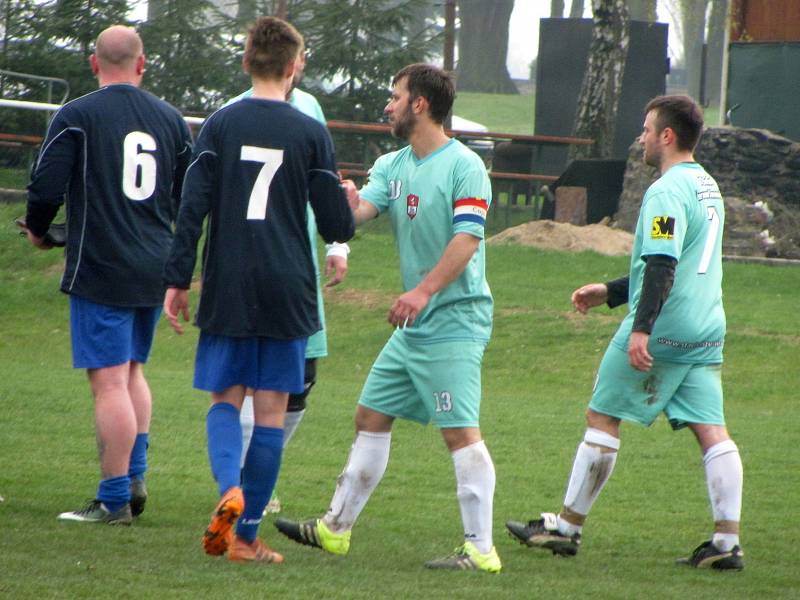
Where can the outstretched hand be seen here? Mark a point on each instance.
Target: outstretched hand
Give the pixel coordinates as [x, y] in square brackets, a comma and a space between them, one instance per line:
[350, 190]
[589, 296]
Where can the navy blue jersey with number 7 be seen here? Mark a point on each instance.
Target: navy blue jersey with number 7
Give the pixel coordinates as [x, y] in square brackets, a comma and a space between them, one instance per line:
[255, 164]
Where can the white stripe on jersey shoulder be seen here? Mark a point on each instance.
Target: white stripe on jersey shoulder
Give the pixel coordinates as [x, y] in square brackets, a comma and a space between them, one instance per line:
[63, 106]
[86, 95]
[325, 172]
[212, 116]
[199, 156]
[193, 163]
[55, 137]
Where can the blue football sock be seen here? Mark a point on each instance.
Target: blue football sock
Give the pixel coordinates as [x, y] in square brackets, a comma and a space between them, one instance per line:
[138, 463]
[258, 477]
[224, 444]
[114, 492]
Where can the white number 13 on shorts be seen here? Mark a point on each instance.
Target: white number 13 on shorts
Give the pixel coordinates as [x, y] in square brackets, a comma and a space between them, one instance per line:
[444, 401]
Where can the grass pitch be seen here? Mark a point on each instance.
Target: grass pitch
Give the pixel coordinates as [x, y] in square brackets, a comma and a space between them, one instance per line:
[538, 372]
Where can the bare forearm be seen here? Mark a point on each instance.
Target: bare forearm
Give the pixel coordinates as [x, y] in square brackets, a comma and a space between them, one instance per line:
[364, 212]
[454, 260]
[452, 263]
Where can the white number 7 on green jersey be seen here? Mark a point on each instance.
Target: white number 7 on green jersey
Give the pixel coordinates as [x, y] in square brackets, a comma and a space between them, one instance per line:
[711, 239]
[272, 160]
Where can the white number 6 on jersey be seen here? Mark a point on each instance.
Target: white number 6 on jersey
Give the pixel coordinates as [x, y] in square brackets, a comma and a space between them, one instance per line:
[138, 166]
[272, 160]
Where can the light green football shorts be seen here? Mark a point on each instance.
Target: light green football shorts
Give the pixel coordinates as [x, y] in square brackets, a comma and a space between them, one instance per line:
[439, 382]
[685, 393]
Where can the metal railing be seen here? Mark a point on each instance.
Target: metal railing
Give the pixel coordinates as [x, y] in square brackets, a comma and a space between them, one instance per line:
[48, 80]
[510, 184]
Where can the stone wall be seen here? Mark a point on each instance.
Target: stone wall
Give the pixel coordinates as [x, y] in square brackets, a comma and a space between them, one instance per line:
[758, 174]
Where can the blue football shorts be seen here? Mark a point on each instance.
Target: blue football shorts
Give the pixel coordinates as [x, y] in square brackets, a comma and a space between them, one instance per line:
[438, 382]
[685, 393]
[104, 335]
[260, 363]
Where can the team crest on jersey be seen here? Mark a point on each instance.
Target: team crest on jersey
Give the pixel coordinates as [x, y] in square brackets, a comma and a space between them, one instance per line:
[412, 204]
[395, 188]
[663, 228]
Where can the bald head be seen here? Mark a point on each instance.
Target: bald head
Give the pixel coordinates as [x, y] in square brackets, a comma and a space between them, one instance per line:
[118, 46]
[118, 56]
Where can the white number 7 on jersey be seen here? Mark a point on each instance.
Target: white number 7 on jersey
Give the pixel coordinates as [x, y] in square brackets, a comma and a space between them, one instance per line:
[272, 160]
[711, 240]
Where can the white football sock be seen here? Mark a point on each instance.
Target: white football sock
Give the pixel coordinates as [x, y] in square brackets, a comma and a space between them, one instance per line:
[290, 423]
[475, 479]
[594, 462]
[365, 467]
[724, 478]
[248, 420]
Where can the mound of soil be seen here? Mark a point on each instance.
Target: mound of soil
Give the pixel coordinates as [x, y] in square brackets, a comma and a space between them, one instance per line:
[550, 235]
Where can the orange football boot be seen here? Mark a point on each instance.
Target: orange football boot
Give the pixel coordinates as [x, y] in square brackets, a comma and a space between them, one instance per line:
[240, 550]
[218, 536]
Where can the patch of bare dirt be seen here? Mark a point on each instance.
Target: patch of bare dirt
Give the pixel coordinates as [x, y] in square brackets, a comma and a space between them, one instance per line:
[549, 235]
[55, 269]
[358, 297]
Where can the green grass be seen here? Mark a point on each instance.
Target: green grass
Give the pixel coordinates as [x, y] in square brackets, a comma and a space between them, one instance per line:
[13, 179]
[503, 113]
[711, 116]
[510, 113]
[537, 376]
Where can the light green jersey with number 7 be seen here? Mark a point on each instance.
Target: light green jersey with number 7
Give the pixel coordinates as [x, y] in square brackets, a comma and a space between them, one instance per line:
[682, 216]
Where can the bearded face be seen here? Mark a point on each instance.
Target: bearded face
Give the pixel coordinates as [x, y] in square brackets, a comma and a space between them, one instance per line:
[403, 123]
[399, 112]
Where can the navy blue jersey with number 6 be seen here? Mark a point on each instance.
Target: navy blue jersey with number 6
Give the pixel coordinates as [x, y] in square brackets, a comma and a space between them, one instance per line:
[119, 154]
[255, 164]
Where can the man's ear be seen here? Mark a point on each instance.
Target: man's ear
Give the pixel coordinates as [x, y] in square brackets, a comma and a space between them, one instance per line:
[668, 136]
[93, 64]
[140, 65]
[420, 105]
[290, 69]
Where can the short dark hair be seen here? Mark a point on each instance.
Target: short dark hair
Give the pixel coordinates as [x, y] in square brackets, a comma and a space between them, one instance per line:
[431, 83]
[682, 115]
[272, 44]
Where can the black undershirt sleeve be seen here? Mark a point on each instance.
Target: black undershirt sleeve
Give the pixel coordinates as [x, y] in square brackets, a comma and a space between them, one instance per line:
[618, 291]
[659, 275]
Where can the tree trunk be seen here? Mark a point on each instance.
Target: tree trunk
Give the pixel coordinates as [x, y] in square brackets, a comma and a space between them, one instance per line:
[576, 9]
[483, 47]
[643, 10]
[602, 81]
[717, 21]
[693, 19]
[556, 9]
